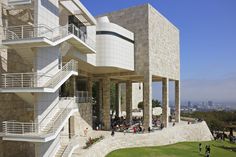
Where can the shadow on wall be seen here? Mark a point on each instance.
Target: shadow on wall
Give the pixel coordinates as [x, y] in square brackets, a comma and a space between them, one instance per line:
[50, 6]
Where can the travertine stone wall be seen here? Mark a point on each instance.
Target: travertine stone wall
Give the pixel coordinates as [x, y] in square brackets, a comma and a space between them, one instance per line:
[82, 119]
[14, 108]
[156, 40]
[17, 149]
[85, 110]
[163, 46]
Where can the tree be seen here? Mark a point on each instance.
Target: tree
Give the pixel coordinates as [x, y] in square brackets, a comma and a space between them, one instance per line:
[155, 103]
[140, 105]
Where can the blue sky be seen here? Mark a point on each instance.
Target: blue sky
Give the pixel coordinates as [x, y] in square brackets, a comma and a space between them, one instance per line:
[208, 40]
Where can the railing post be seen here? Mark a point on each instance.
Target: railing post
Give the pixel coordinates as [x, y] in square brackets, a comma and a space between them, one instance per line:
[22, 80]
[5, 130]
[22, 32]
[5, 81]
[73, 29]
[22, 128]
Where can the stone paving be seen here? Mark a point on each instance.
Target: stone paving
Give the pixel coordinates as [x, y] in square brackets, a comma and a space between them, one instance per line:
[179, 133]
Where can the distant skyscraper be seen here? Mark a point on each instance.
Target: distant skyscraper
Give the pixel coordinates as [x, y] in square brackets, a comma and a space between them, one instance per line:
[210, 103]
[189, 104]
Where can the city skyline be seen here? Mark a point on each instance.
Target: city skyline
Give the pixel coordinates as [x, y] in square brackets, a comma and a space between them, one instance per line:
[207, 32]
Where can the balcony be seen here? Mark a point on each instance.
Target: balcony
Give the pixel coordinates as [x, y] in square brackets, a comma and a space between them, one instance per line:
[43, 36]
[19, 2]
[83, 97]
[34, 82]
[38, 132]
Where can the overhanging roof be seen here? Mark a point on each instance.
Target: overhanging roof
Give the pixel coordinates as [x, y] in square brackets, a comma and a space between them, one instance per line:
[76, 8]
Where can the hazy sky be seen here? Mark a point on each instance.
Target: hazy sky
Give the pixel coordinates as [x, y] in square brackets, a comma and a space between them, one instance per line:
[208, 43]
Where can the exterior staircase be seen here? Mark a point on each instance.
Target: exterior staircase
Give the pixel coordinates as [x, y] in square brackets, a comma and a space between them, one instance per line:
[40, 132]
[60, 151]
[30, 82]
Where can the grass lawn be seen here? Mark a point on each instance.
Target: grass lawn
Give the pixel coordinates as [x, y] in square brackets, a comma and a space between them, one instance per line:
[185, 149]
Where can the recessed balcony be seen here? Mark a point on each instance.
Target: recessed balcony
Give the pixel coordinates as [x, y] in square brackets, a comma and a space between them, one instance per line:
[43, 36]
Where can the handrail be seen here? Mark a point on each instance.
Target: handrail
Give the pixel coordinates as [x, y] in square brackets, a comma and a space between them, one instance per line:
[19, 2]
[22, 80]
[32, 80]
[72, 65]
[28, 128]
[72, 143]
[57, 33]
[27, 31]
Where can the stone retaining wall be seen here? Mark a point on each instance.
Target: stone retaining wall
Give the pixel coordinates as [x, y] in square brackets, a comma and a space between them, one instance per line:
[171, 135]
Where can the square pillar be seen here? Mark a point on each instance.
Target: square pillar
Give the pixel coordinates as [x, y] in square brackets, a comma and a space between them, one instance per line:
[128, 101]
[90, 87]
[106, 103]
[100, 101]
[177, 101]
[147, 101]
[165, 101]
[117, 93]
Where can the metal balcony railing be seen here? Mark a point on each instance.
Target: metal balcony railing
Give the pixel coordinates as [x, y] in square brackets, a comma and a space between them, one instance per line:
[19, 2]
[83, 97]
[33, 80]
[38, 129]
[22, 80]
[72, 65]
[29, 32]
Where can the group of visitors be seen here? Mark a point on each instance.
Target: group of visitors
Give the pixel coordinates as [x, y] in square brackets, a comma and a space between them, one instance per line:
[207, 149]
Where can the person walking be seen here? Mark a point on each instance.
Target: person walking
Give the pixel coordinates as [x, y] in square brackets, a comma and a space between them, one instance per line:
[208, 150]
[112, 132]
[200, 148]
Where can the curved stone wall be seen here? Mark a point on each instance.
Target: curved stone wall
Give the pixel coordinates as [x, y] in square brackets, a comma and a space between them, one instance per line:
[171, 135]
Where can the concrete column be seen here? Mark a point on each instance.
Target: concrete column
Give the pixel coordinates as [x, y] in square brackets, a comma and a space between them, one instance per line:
[106, 103]
[117, 100]
[100, 101]
[165, 101]
[147, 101]
[128, 101]
[177, 101]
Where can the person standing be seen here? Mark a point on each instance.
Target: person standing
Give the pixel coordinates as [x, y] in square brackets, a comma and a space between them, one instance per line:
[200, 148]
[85, 132]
